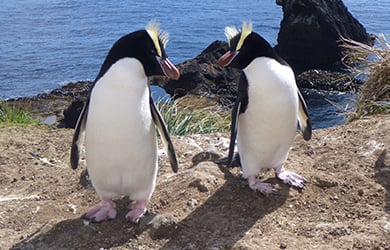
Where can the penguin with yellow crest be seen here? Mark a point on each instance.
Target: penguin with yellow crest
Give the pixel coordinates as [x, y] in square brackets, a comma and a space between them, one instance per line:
[119, 120]
[268, 110]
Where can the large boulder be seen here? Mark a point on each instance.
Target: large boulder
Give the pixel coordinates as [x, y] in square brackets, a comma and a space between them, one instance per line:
[310, 32]
[202, 75]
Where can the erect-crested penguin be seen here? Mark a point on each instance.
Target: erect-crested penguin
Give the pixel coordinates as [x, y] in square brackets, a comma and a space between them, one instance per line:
[267, 111]
[119, 120]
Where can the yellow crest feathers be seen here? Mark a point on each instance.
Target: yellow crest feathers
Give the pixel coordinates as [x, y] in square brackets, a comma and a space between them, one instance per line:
[246, 31]
[157, 36]
[164, 37]
[230, 32]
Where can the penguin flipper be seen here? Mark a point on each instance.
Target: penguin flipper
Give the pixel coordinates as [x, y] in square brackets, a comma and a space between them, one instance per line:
[164, 136]
[304, 118]
[233, 130]
[239, 107]
[77, 138]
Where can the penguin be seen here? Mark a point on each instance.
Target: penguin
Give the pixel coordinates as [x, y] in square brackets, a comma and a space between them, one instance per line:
[119, 121]
[268, 110]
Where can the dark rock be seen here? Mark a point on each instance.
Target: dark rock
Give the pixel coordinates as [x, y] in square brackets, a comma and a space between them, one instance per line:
[200, 185]
[71, 114]
[204, 156]
[310, 32]
[327, 81]
[202, 75]
[325, 182]
[55, 102]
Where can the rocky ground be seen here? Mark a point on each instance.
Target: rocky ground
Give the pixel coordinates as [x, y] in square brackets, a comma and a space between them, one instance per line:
[345, 205]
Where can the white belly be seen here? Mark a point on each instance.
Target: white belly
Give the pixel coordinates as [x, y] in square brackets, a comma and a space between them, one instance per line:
[267, 128]
[120, 139]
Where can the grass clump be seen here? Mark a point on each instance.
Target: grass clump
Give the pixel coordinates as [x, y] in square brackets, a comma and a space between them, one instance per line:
[182, 119]
[374, 63]
[15, 113]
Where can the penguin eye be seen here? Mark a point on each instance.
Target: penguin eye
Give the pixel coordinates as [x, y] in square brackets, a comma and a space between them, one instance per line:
[153, 50]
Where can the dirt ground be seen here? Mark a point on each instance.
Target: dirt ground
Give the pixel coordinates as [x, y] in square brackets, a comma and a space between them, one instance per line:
[345, 205]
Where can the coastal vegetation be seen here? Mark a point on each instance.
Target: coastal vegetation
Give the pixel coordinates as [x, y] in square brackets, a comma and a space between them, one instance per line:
[372, 63]
[183, 118]
[15, 113]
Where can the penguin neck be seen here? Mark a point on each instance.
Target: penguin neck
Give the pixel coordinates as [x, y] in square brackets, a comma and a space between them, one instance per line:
[270, 71]
[259, 64]
[126, 73]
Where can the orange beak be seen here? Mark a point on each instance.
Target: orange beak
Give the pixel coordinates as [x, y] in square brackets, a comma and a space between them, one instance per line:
[227, 58]
[169, 69]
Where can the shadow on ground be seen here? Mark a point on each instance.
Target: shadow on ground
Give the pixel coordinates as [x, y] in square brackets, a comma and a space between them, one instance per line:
[226, 216]
[382, 174]
[77, 234]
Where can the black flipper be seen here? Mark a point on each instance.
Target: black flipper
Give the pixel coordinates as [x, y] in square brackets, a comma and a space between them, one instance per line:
[77, 138]
[233, 129]
[239, 108]
[304, 118]
[164, 135]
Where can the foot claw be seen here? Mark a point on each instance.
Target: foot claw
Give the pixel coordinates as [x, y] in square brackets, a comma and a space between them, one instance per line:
[263, 187]
[105, 211]
[290, 178]
[138, 210]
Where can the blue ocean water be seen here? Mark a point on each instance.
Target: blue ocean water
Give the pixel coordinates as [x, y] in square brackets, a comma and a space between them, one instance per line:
[47, 43]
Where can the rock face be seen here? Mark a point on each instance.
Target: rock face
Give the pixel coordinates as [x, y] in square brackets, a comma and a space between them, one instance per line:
[310, 31]
[324, 80]
[202, 75]
[71, 114]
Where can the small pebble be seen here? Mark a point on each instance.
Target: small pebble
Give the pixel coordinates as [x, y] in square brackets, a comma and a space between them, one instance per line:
[283, 245]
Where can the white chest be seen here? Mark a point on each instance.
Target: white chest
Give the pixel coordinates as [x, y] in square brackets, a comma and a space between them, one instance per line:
[120, 132]
[267, 128]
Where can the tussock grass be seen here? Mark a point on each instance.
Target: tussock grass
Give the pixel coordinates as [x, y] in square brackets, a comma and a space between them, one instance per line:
[15, 113]
[183, 119]
[373, 62]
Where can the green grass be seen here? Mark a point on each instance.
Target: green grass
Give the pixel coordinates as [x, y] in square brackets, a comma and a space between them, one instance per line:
[374, 107]
[182, 120]
[15, 114]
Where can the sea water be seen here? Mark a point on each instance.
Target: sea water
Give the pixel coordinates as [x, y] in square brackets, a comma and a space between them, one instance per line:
[47, 43]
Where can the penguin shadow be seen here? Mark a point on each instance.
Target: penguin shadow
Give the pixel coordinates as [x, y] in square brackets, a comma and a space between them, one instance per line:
[227, 215]
[80, 234]
[382, 174]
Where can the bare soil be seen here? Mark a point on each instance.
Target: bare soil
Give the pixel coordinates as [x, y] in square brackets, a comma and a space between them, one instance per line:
[345, 204]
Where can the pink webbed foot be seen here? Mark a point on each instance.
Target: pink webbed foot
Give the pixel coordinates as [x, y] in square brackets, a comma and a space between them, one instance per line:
[263, 187]
[138, 209]
[290, 178]
[105, 211]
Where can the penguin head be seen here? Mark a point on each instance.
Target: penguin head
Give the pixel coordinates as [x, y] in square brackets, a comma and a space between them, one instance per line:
[244, 47]
[147, 46]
